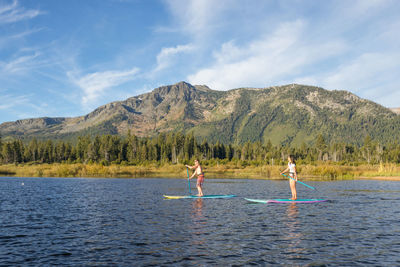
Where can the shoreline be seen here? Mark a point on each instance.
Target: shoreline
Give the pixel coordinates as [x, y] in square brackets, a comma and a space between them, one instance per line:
[222, 177]
[394, 179]
[381, 178]
[321, 172]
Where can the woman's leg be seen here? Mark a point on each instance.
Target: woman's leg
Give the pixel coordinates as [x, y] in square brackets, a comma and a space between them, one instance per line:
[200, 190]
[293, 189]
[199, 185]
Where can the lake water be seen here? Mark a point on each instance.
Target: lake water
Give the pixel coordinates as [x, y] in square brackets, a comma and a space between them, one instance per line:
[126, 222]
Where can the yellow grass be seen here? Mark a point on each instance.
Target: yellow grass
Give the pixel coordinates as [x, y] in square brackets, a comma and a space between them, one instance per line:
[90, 170]
[305, 172]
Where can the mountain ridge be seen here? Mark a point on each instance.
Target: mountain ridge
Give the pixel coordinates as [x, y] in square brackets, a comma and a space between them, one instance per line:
[288, 114]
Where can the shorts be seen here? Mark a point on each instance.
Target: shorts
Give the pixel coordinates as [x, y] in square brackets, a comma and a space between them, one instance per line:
[200, 180]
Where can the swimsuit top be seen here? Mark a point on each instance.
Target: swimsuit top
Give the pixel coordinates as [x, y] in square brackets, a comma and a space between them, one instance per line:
[292, 167]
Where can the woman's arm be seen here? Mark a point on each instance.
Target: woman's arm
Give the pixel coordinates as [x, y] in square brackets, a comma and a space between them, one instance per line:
[295, 173]
[287, 169]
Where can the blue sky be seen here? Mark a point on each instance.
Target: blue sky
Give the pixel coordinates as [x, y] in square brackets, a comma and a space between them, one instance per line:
[65, 58]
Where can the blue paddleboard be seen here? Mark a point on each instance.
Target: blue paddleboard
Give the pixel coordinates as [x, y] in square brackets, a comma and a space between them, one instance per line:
[205, 196]
[285, 200]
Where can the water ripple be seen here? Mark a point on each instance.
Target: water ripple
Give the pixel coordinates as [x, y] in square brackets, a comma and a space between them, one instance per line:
[125, 222]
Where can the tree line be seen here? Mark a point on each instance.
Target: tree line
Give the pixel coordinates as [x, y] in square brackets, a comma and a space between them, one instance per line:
[178, 147]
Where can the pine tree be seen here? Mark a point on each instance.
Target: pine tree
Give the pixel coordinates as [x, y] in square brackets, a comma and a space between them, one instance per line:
[18, 148]
[7, 153]
[133, 148]
[320, 146]
[367, 148]
[93, 151]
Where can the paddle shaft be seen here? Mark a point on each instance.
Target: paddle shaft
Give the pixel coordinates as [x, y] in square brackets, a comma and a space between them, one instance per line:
[313, 188]
[187, 170]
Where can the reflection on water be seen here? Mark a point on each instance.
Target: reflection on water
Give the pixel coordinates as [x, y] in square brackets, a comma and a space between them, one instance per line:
[292, 213]
[198, 231]
[294, 230]
[197, 209]
[198, 226]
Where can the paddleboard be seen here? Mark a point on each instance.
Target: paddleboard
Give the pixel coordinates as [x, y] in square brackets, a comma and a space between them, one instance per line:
[205, 196]
[265, 201]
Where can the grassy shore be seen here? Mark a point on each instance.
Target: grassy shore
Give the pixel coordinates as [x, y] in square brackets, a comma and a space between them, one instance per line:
[306, 172]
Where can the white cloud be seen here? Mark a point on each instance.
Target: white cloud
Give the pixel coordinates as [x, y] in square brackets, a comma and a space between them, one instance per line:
[20, 63]
[11, 101]
[4, 40]
[359, 72]
[166, 57]
[370, 75]
[21, 59]
[198, 17]
[35, 108]
[7, 8]
[13, 13]
[94, 84]
[266, 60]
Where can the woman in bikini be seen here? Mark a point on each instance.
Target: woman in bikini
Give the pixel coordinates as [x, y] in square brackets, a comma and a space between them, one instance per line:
[198, 170]
[293, 173]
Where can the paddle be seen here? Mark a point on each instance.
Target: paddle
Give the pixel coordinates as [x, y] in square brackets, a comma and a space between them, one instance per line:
[187, 170]
[313, 188]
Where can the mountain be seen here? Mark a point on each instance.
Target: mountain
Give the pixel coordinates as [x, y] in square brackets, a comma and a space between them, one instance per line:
[290, 114]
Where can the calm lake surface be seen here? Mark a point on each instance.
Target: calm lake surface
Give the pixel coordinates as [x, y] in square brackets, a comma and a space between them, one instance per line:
[126, 222]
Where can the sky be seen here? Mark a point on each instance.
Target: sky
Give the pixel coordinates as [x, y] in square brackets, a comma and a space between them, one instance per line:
[66, 58]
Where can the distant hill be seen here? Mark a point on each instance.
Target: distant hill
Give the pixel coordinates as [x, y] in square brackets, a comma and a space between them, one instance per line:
[290, 114]
[395, 110]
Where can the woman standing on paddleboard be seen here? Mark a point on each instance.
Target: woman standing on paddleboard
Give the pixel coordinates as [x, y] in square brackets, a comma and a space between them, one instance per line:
[198, 170]
[293, 173]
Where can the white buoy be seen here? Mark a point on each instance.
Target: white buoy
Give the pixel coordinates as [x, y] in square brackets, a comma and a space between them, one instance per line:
[22, 184]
